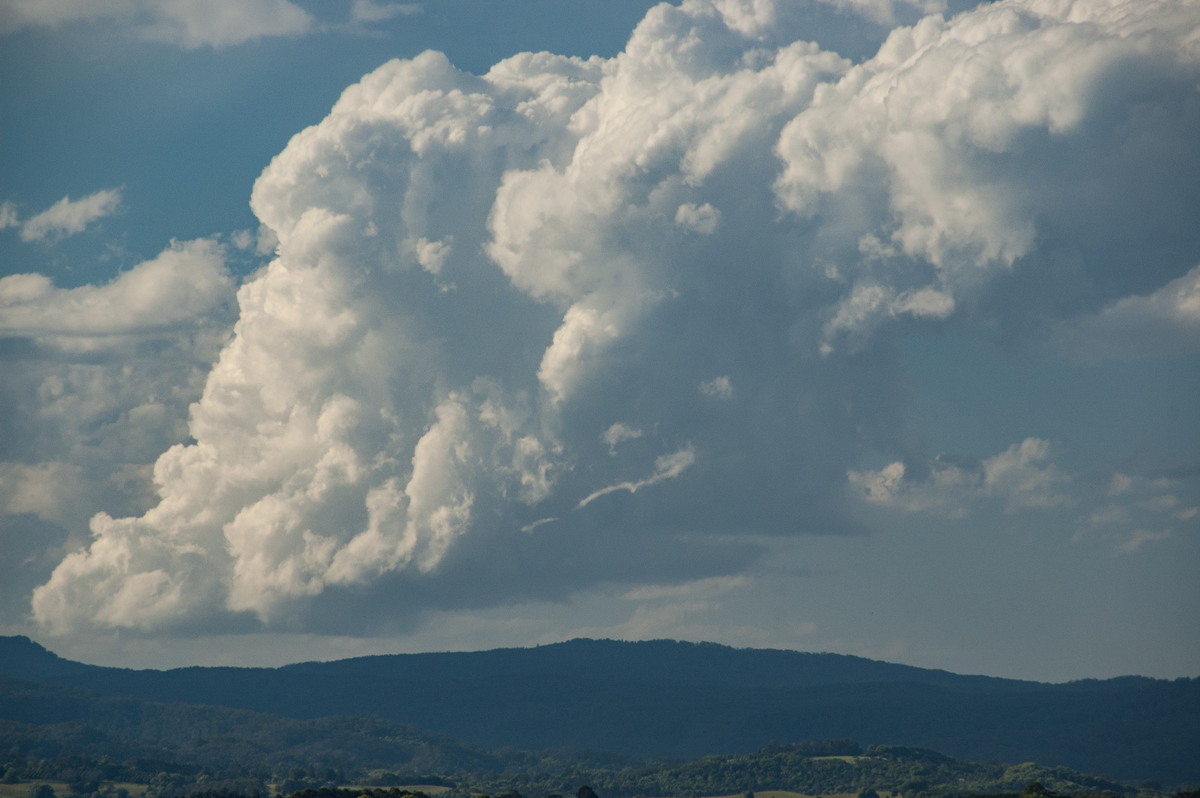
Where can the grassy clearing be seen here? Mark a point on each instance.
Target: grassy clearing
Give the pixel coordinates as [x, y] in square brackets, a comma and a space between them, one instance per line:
[771, 794]
[850, 760]
[775, 794]
[24, 789]
[788, 794]
[428, 789]
[135, 790]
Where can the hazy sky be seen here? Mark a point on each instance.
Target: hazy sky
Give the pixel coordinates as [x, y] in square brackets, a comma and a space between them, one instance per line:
[866, 326]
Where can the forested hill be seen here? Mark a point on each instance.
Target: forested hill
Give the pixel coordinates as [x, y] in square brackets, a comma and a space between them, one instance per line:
[98, 746]
[684, 699]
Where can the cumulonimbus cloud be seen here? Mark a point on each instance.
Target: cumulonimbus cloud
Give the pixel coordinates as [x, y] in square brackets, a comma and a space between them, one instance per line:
[481, 281]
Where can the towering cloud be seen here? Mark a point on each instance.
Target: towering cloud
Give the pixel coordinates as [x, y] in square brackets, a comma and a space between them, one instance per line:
[577, 321]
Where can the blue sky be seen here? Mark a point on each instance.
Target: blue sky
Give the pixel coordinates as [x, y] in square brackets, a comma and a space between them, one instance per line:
[870, 326]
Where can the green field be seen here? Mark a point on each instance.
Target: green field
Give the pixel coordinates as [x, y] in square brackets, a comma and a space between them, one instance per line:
[850, 760]
[24, 789]
[786, 793]
[428, 789]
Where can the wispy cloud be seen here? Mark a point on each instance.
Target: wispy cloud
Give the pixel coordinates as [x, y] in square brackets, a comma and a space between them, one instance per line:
[718, 387]
[1140, 538]
[372, 11]
[1021, 477]
[185, 23]
[1133, 508]
[68, 217]
[666, 467]
[8, 216]
[1165, 322]
[194, 24]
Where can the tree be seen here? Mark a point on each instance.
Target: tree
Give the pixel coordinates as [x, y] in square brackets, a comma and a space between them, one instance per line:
[585, 792]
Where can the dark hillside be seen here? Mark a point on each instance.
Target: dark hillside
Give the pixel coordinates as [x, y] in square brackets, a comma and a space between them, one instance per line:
[42, 721]
[684, 699]
[93, 742]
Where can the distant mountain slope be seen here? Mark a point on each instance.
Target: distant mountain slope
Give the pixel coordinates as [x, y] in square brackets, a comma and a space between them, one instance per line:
[47, 721]
[684, 699]
[56, 732]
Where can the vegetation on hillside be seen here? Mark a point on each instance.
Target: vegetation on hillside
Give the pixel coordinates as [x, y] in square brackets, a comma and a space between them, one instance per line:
[665, 698]
[61, 741]
[822, 768]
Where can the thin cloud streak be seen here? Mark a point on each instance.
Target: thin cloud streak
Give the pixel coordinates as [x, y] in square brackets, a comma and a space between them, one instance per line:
[666, 467]
[67, 216]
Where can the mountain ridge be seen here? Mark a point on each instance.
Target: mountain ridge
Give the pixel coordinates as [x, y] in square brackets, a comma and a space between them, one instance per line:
[665, 698]
[18, 648]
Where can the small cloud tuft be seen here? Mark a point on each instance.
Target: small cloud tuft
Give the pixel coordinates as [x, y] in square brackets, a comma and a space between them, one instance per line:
[68, 217]
[717, 388]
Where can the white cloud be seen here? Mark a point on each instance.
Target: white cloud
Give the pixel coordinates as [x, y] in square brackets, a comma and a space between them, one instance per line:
[1166, 322]
[702, 219]
[963, 139]
[1120, 483]
[60, 492]
[718, 387]
[619, 433]
[869, 305]
[889, 11]
[98, 380]
[1132, 505]
[432, 254]
[700, 590]
[367, 11]
[221, 23]
[8, 216]
[67, 216]
[1141, 538]
[369, 438]
[17, 14]
[668, 466]
[187, 23]
[180, 289]
[1019, 476]
[585, 332]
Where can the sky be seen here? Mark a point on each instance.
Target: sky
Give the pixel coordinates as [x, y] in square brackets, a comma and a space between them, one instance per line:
[861, 326]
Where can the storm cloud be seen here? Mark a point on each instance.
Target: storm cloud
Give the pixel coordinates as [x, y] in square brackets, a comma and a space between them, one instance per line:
[580, 322]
